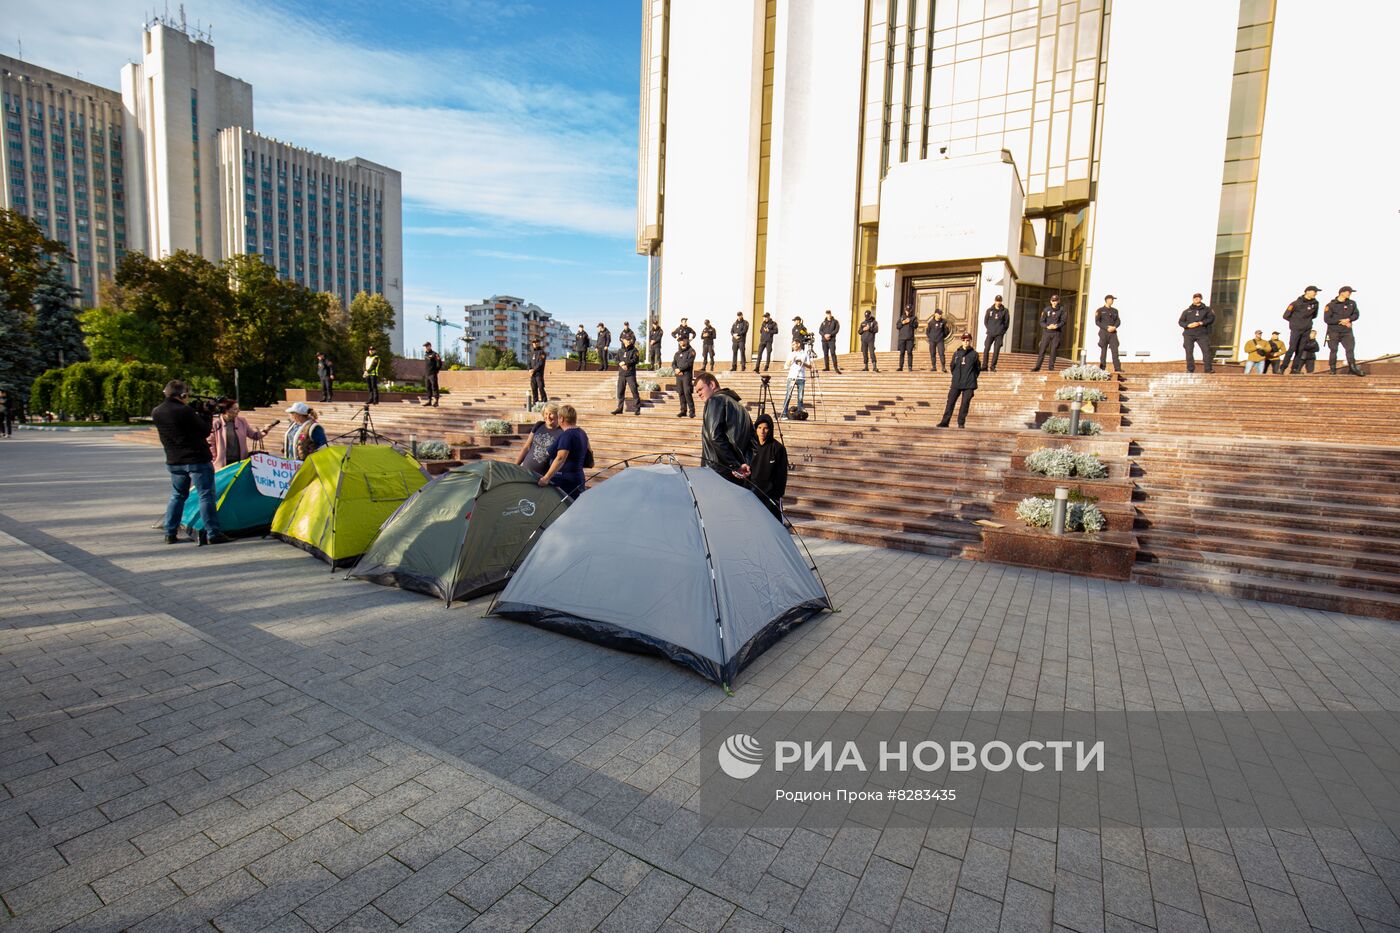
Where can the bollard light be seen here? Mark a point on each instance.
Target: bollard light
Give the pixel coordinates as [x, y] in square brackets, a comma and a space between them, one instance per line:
[1057, 521]
[413, 446]
[1076, 408]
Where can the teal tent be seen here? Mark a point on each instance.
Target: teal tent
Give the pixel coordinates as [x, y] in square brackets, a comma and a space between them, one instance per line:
[241, 508]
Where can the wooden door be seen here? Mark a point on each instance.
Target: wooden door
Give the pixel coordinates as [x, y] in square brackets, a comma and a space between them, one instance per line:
[955, 297]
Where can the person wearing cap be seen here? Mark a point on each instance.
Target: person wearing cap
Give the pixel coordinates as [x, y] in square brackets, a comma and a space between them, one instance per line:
[1052, 328]
[1106, 318]
[537, 360]
[1256, 352]
[432, 365]
[627, 333]
[581, 345]
[684, 363]
[739, 343]
[1276, 351]
[603, 345]
[304, 435]
[1300, 314]
[828, 329]
[996, 321]
[684, 330]
[325, 371]
[184, 438]
[1341, 314]
[371, 374]
[869, 327]
[799, 330]
[627, 359]
[1195, 324]
[1307, 352]
[707, 346]
[766, 332]
[963, 384]
[905, 328]
[654, 335]
[937, 332]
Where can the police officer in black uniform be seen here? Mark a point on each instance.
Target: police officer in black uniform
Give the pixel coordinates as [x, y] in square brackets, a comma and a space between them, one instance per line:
[654, 342]
[867, 330]
[963, 385]
[996, 321]
[627, 359]
[684, 362]
[707, 346]
[581, 345]
[604, 343]
[1300, 314]
[537, 361]
[1341, 313]
[432, 365]
[325, 370]
[627, 333]
[766, 332]
[1195, 324]
[1106, 319]
[829, 328]
[739, 343]
[1052, 328]
[937, 333]
[905, 328]
[799, 330]
[683, 330]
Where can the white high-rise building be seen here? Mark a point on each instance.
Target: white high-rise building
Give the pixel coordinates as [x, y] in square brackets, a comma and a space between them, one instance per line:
[872, 155]
[507, 322]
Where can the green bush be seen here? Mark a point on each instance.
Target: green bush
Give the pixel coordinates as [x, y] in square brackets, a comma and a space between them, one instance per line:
[1058, 425]
[1039, 512]
[81, 394]
[133, 390]
[43, 397]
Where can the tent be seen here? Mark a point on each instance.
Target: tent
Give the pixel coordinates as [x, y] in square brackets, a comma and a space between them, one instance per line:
[340, 497]
[242, 510]
[711, 584]
[459, 536]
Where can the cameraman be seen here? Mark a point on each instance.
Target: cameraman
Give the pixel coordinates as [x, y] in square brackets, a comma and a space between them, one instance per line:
[799, 361]
[184, 435]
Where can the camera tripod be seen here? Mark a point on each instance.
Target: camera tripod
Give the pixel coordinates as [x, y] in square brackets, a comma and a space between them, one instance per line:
[366, 429]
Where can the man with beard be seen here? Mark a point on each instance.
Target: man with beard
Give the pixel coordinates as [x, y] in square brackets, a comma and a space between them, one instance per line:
[726, 438]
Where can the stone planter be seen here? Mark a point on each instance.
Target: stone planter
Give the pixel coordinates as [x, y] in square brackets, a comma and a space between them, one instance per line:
[1121, 516]
[1109, 554]
[1109, 489]
[1108, 421]
[436, 467]
[1110, 448]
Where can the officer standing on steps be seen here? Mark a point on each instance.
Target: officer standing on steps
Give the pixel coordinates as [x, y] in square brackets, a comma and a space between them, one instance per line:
[1052, 328]
[1300, 314]
[325, 371]
[604, 343]
[432, 365]
[581, 344]
[739, 343]
[1106, 318]
[766, 332]
[963, 385]
[627, 372]
[707, 346]
[654, 341]
[371, 373]
[684, 362]
[537, 361]
[799, 330]
[626, 333]
[937, 333]
[1195, 324]
[829, 328]
[906, 326]
[995, 323]
[683, 330]
[867, 330]
[1341, 314]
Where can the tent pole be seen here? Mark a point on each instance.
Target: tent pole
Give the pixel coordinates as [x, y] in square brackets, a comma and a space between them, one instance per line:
[714, 577]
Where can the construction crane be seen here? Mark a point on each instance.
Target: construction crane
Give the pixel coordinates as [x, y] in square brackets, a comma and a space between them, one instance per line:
[441, 322]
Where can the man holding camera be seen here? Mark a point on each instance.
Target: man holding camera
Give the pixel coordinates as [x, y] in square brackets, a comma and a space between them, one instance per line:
[185, 436]
[799, 361]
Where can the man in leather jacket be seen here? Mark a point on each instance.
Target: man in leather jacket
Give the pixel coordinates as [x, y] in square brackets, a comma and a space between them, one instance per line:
[727, 438]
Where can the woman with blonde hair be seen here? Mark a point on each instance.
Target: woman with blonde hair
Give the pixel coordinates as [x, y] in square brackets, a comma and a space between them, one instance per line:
[568, 455]
[534, 454]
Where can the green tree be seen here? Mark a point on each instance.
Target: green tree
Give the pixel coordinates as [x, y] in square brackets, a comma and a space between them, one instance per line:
[18, 360]
[26, 259]
[335, 342]
[58, 337]
[371, 322]
[133, 389]
[272, 327]
[82, 393]
[44, 396]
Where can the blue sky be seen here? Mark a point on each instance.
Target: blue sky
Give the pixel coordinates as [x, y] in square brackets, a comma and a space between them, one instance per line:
[514, 125]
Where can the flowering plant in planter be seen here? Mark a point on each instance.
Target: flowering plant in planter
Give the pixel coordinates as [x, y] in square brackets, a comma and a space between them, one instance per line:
[434, 450]
[1059, 425]
[1082, 516]
[648, 386]
[1067, 394]
[493, 426]
[1063, 462]
[664, 371]
[1083, 372]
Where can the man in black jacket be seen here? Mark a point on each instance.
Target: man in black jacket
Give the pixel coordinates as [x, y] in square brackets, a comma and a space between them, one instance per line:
[627, 359]
[766, 332]
[603, 345]
[707, 345]
[937, 333]
[1107, 321]
[1195, 324]
[185, 437]
[1300, 314]
[684, 363]
[684, 330]
[432, 365]
[325, 371]
[905, 329]
[654, 336]
[739, 343]
[768, 471]
[868, 329]
[537, 360]
[829, 328]
[581, 345]
[726, 437]
[627, 333]
[996, 321]
[1340, 315]
[1052, 326]
[966, 366]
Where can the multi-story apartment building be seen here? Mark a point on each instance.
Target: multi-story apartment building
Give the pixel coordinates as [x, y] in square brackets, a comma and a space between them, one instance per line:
[508, 322]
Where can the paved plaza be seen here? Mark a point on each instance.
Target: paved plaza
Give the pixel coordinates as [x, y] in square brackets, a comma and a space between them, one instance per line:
[236, 738]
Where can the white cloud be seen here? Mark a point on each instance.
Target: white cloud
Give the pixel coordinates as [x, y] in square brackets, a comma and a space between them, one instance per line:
[525, 257]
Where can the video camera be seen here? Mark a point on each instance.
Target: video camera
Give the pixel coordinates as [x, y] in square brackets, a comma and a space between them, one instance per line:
[206, 406]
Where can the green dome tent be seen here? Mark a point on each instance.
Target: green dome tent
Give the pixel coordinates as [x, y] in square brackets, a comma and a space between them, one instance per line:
[459, 536]
[340, 497]
[242, 510]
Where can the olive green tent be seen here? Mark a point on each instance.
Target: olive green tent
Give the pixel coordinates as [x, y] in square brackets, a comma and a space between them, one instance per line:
[340, 497]
[459, 536]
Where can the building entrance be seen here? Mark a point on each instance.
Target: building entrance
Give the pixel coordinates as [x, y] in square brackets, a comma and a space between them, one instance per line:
[956, 295]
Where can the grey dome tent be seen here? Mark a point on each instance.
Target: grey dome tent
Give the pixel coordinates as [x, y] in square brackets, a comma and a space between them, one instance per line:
[715, 583]
[458, 536]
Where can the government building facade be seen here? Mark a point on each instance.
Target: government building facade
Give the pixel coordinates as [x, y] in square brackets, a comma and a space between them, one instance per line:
[796, 156]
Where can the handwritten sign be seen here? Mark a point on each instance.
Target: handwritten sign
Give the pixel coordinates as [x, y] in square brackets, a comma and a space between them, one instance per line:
[273, 475]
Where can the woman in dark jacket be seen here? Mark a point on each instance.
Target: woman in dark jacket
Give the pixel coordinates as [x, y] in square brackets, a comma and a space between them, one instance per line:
[770, 467]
